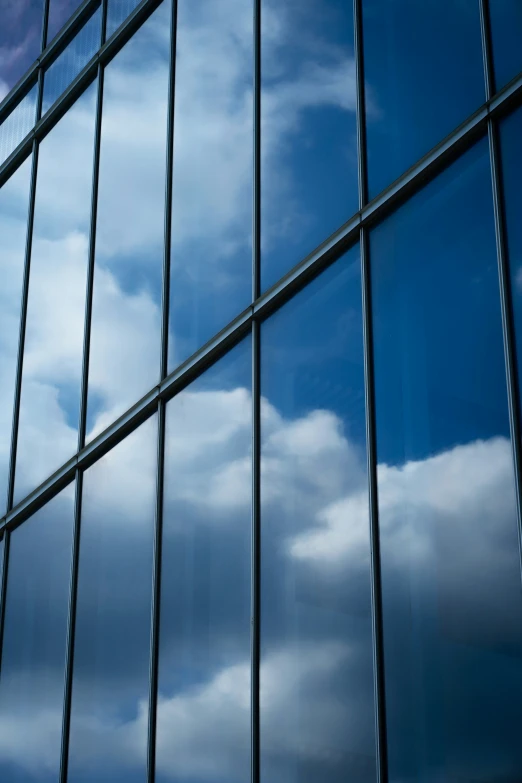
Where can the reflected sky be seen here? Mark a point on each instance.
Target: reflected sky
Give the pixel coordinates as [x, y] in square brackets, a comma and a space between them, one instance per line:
[203, 728]
[506, 33]
[17, 124]
[117, 12]
[59, 13]
[423, 75]
[449, 549]
[33, 654]
[20, 40]
[308, 129]
[211, 263]
[53, 352]
[126, 311]
[317, 720]
[14, 206]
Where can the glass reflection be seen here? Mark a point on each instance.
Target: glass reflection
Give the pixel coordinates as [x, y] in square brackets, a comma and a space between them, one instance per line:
[20, 40]
[60, 12]
[14, 205]
[111, 652]
[117, 12]
[211, 272]
[511, 152]
[53, 350]
[317, 719]
[203, 719]
[424, 76]
[506, 32]
[449, 550]
[126, 312]
[71, 61]
[33, 654]
[18, 124]
[309, 145]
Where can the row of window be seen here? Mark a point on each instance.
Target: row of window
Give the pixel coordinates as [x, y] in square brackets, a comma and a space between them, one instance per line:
[449, 554]
[309, 187]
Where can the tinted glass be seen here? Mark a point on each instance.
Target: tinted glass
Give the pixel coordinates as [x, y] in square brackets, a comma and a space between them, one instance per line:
[317, 720]
[511, 149]
[71, 61]
[126, 316]
[17, 124]
[448, 524]
[20, 39]
[33, 654]
[14, 204]
[506, 31]
[117, 12]
[59, 13]
[203, 722]
[424, 76]
[309, 146]
[211, 272]
[111, 652]
[53, 351]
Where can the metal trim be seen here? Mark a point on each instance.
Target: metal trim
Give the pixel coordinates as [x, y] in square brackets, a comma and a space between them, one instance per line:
[487, 50]
[256, 162]
[3, 591]
[255, 618]
[362, 160]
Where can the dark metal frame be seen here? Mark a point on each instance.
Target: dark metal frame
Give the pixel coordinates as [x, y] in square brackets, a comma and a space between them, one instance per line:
[356, 230]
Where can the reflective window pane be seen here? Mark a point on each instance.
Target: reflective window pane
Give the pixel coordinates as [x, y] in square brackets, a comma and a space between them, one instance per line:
[203, 719]
[309, 144]
[111, 652]
[126, 314]
[60, 12]
[20, 40]
[14, 205]
[53, 350]
[211, 272]
[506, 32]
[448, 524]
[424, 76]
[34, 643]
[71, 61]
[317, 702]
[18, 124]
[511, 150]
[117, 12]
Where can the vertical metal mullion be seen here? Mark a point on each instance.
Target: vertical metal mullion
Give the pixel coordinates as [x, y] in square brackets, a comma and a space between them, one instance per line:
[156, 597]
[487, 50]
[256, 552]
[508, 327]
[82, 425]
[45, 23]
[360, 103]
[3, 590]
[22, 326]
[71, 627]
[375, 556]
[164, 356]
[256, 211]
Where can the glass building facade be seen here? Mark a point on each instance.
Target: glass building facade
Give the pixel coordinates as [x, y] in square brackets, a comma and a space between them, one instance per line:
[260, 396]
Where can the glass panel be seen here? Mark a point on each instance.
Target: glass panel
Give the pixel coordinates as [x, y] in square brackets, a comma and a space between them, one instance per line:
[506, 31]
[111, 650]
[14, 205]
[126, 315]
[424, 76]
[53, 351]
[211, 275]
[60, 11]
[511, 149]
[35, 635]
[449, 550]
[18, 124]
[117, 12]
[20, 40]
[71, 61]
[317, 713]
[203, 719]
[309, 144]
